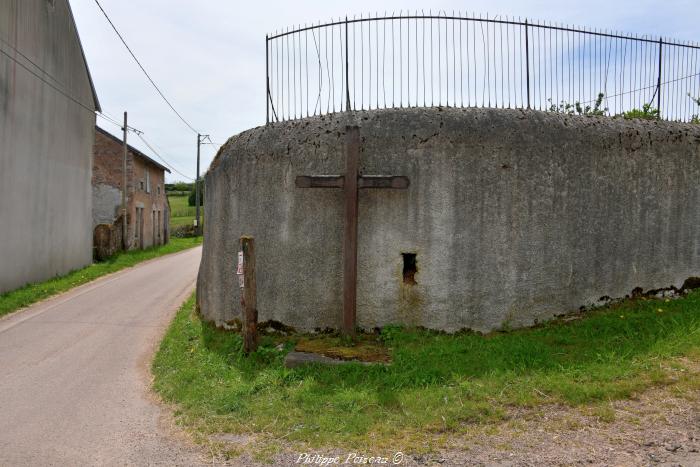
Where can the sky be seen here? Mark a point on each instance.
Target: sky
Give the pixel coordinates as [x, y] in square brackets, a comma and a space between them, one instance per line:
[208, 56]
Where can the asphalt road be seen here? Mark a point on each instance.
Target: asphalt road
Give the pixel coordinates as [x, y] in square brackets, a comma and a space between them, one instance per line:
[74, 372]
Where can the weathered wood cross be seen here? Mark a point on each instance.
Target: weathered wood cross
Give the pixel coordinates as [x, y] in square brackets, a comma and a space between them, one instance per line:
[351, 182]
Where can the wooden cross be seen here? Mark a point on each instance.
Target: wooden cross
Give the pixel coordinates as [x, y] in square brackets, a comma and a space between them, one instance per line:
[351, 182]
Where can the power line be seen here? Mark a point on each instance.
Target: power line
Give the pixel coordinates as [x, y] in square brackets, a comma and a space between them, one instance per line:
[102, 115]
[48, 83]
[140, 135]
[58, 84]
[116, 122]
[143, 69]
[19, 52]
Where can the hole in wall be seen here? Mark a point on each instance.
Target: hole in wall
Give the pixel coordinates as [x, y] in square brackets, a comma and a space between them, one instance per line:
[410, 268]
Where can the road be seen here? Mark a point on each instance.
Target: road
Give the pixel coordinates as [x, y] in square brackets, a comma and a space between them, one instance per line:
[74, 372]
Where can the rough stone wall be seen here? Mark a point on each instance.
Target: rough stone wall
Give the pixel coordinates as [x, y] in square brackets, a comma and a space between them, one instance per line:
[106, 190]
[45, 144]
[515, 216]
[154, 203]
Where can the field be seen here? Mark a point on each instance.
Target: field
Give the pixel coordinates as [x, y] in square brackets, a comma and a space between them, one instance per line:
[180, 212]
[436, 387]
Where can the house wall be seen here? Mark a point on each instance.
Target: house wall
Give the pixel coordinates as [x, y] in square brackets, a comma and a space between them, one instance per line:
[515, 217]
[45, 144]
[107, 179]
[154, 204]
[107, 182]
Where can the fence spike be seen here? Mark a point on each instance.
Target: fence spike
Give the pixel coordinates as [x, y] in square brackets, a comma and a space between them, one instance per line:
[596, 41]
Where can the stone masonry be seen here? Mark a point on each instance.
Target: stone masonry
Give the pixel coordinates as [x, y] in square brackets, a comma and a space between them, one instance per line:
[147, 204]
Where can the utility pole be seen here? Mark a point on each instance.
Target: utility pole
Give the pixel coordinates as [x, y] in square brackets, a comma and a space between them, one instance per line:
[125, 243]
[196, 187]
[197, 195]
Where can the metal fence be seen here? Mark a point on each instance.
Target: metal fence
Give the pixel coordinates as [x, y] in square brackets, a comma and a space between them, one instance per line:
[423, 60]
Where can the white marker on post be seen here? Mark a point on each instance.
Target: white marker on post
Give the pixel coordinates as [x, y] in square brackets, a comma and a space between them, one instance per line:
[239, 270]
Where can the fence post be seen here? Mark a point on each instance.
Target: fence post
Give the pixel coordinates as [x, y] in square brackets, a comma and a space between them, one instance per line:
[347, 69]
[267, 81]
[658, 83]
[527, 63]
[246, 278]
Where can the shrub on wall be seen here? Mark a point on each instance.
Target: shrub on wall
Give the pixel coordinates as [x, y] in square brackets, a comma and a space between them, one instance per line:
[578, 109]
[646, 113]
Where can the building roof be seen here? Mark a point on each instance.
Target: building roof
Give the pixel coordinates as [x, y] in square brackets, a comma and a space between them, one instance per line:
[131, 148]
[96, 101]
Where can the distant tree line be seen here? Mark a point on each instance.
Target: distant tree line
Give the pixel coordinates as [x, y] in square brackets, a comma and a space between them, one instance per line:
[179, 187]
[184, 188]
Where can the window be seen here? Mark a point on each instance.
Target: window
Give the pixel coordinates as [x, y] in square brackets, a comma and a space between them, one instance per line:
[148, 181]
[409, 268]
[158, 189]
[141, 185]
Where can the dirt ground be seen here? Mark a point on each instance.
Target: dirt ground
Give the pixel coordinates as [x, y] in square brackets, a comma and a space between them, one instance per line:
[657, 429]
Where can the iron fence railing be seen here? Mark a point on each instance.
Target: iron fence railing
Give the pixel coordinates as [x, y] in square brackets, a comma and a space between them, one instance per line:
[453, 60]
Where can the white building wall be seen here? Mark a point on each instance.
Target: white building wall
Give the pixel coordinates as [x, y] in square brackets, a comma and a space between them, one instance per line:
[45, 144]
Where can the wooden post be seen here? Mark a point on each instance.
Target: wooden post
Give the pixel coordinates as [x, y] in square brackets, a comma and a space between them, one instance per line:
[248, 297]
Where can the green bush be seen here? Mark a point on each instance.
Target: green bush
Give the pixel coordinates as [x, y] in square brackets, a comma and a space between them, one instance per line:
[695, 118]
[191, 200]
[577, 109]
[183, 231]
[646, 113]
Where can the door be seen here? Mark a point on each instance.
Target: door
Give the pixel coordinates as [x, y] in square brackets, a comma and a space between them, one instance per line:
[141, 228]
[160, 230]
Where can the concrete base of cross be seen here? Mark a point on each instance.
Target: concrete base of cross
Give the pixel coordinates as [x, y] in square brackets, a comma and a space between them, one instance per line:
[294, 359]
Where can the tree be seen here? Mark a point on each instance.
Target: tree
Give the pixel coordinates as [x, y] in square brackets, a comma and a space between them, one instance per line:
[182, 186]
[191, 200]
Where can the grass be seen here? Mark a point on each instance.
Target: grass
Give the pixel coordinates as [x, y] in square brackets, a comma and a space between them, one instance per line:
[436, 385]
[180, 212]
[32, 293]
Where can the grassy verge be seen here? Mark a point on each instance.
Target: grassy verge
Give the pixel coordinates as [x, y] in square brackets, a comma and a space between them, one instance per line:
[437, 384]
[25, 296]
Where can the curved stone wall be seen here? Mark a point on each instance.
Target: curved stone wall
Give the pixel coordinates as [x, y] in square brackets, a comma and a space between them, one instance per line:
[514, 217]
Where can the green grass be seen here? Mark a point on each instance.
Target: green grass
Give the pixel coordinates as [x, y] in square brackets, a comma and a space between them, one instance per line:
[436, 385]
[32, 293]
[180, 212]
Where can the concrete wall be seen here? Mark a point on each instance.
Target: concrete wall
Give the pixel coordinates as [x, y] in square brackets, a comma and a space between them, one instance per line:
[515, 216]
[45, 144]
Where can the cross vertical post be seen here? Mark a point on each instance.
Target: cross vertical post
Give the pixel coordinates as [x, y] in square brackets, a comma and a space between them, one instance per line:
[351, 183]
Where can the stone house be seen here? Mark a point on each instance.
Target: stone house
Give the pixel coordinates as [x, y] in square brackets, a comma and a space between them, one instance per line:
[47, 124]
[147, 204]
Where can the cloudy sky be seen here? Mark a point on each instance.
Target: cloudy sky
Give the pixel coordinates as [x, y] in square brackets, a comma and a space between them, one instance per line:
[208, 56]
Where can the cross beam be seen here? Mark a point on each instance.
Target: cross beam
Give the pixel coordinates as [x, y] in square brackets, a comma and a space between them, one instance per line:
[351, 183]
